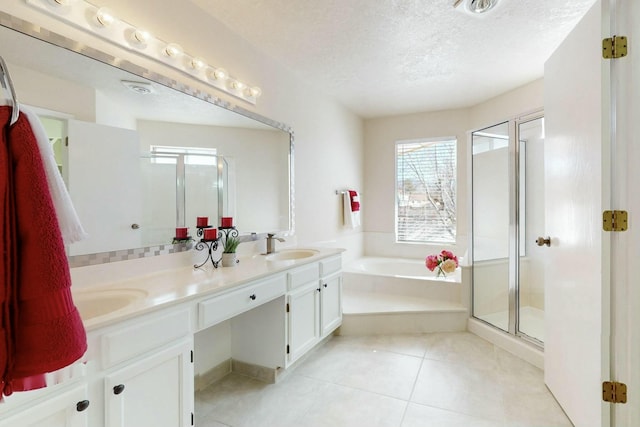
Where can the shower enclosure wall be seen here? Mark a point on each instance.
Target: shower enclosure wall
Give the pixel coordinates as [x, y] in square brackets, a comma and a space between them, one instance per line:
[508, 213]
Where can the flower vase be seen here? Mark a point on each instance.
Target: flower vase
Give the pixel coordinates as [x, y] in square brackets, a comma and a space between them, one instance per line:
[229, 259]
[441, 272]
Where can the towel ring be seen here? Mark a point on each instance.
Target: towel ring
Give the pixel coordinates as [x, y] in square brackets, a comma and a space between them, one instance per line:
[7, 84]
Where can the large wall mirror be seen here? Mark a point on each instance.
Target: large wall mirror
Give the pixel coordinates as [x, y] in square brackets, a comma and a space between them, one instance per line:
[142, 156]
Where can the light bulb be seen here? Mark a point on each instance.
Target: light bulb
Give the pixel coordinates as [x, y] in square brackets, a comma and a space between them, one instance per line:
[220, 74]
[254, 92]
[237, 85]
[173, 50]
[140, 36]
[198, 63]
[105, 16]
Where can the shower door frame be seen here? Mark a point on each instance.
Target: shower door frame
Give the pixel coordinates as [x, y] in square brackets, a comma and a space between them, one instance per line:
[515, 209]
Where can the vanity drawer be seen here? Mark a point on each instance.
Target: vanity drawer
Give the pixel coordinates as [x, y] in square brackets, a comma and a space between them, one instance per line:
[223, 307]
[330, 265]
[138, 338]
[302, 275]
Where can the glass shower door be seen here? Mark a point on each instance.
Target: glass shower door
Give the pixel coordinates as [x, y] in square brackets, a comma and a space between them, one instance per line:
[491, 220]
[531, 269]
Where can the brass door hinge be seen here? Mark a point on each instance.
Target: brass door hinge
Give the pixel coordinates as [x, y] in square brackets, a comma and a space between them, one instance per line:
[614, 47]
[614, 392]
[614, 221]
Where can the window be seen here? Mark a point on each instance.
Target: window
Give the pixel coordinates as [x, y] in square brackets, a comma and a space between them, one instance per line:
[426, 190]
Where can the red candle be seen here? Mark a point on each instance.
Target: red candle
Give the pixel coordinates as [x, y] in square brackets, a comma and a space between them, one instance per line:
[181, 232]
[202, 221]
[226, 222]
[210, 234]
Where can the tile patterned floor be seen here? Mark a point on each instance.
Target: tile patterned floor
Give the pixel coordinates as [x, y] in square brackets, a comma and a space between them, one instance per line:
[440, 380]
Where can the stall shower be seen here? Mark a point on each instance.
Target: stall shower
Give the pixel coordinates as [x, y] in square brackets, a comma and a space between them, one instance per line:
[508, 215]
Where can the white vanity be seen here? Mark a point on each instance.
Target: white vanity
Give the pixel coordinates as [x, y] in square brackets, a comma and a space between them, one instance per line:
[139, 369]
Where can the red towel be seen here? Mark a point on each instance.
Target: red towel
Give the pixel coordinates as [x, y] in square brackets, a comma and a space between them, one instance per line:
[355, 201]
[41, 328]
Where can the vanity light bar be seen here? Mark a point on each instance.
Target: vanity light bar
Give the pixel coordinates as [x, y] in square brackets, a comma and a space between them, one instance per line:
[104, 23]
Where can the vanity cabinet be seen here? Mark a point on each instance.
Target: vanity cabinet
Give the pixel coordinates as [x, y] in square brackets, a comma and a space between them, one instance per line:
[155, 391]
[68, 408]
[314, 305]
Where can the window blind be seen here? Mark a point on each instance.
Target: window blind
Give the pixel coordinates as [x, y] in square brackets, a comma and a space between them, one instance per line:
[426, 191]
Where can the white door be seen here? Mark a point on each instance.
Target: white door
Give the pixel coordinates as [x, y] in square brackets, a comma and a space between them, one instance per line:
[104, 183]
[625, 267]
[577, 186]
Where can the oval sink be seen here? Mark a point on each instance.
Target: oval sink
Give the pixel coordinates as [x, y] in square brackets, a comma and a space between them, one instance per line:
[92, 304]
[291, 254]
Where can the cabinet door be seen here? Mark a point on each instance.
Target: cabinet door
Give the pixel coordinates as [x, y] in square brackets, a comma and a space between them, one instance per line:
[66, 409]
[156, 391]
[304, 319]
[331, 303]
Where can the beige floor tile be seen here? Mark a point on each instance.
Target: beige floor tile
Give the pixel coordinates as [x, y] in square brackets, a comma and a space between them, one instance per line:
[384, 381]
[457, 387]
[462, 347]
[348, 407]
[426, 416]
[407, 344]
[381, 372]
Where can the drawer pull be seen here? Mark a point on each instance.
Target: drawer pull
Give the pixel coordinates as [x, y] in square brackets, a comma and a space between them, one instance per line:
[253, 297]
[82, 405]
[118, 389]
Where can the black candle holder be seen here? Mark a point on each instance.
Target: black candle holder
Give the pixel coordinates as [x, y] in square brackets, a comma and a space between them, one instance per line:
[210, 245]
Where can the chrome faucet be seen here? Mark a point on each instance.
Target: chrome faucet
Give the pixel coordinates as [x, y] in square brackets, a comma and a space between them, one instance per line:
[271, 242]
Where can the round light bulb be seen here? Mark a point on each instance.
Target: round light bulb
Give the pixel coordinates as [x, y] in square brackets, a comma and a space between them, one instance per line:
[219, 74]
[198, 63]
[140, 36]
[173, 50]
[253, 91]
[105, 16]
[238, 85]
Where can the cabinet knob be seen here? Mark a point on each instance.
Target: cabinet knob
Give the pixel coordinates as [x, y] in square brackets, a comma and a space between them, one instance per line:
[325, 285]
[319, 289]
[252, 297]
[118, 389]
[82, 405]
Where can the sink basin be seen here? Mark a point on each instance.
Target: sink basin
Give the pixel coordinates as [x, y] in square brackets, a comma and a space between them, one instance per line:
[92, 304]
[291, 254]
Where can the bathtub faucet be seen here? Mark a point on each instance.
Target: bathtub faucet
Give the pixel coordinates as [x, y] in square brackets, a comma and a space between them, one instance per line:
[271, 243]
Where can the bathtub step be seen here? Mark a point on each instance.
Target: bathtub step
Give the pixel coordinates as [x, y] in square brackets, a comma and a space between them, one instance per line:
[370, 313]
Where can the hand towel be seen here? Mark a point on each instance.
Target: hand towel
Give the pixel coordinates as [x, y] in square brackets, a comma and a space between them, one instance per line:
[42, 328]
[68, 221]
[351, 209]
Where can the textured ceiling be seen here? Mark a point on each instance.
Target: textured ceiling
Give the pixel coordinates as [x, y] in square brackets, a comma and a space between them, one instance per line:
[386, 57]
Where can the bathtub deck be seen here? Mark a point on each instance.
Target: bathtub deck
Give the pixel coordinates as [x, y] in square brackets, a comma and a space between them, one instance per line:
[372, 313]
[359, 302]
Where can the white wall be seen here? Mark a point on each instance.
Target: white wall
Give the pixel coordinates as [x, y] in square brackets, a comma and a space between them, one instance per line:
[380, 135]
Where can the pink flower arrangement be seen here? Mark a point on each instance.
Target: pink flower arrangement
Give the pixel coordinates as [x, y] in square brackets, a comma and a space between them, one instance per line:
[445, 262]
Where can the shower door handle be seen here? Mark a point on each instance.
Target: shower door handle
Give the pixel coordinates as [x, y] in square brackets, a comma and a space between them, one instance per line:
[542, 241]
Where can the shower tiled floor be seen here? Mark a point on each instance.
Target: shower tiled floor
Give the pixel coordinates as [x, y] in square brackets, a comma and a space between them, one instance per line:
[440, 380]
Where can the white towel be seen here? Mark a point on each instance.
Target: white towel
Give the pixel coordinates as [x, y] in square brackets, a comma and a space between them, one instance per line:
[70, 226]
[351, 217]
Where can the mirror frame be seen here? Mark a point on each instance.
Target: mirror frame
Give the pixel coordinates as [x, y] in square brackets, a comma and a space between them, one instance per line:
[55, 39]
